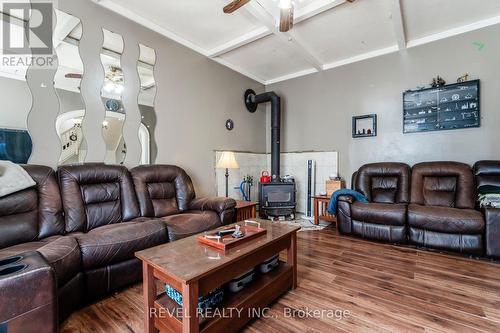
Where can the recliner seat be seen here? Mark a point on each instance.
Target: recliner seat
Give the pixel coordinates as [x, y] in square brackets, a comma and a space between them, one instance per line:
[32, 220]
[167, 192]
[102, 211]
[386, 185]
[441, 214]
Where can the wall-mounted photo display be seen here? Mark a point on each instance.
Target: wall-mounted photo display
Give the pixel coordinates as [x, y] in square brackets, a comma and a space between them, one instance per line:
[364, 126]
[453, 106]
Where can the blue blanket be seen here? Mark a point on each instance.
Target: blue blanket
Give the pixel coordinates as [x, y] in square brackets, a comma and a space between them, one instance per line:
[332, 206]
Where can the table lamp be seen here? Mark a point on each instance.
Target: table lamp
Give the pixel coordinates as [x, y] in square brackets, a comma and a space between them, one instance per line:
[227, 161]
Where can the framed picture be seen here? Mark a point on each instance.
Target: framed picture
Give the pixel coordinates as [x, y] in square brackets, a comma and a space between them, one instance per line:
[364, 126]
[453, 106]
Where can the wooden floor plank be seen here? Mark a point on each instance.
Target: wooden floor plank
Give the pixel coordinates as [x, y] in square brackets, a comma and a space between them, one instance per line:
[385, 288]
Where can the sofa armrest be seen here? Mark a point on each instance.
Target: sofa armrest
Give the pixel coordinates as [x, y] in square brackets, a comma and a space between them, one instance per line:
[224, 207]
[492, 233]
[346, 198]
[29, 295]
[344, 221]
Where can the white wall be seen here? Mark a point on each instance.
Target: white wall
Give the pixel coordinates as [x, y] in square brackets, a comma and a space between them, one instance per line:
[16, 103]
[318, 109]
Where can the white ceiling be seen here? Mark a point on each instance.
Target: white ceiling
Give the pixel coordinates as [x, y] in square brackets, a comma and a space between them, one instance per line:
[327, 33]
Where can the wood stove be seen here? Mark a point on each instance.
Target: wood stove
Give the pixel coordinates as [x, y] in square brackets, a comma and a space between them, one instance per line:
[277, 198]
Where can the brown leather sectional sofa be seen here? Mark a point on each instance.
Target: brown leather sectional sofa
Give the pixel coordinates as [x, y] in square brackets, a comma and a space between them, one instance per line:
[87, 221]
[431, 205]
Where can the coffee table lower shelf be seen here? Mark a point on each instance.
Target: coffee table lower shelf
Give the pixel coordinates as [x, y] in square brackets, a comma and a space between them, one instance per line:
[257, 295]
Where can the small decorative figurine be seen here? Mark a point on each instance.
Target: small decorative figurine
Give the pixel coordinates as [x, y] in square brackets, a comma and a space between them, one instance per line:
[438, 82]
[463, 78]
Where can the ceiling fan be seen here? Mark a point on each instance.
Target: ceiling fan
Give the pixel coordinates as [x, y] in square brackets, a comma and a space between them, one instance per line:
[286, 11]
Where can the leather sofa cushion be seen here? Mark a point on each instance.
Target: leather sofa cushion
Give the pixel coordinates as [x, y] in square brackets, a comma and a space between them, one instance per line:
[162, 190]
[440, 191]
[384, 182]
[379, 213]
[95, 195]
[34, 213]
[487, 173]
[61, 252]
[26, 247]
[384, 189]
[380, 232]
[446, 219]
[446, 184]
[463, 243]
[190, 223]
[115, 243]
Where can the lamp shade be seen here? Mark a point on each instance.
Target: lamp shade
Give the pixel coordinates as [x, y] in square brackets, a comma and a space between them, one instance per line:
[227, 161]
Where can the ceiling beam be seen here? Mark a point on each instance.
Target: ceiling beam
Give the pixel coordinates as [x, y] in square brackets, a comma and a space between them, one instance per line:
[64, 28]
[268, 20]
[455, 31]
[315, 8]
[301, 14]
[398, 22]
[247, 38]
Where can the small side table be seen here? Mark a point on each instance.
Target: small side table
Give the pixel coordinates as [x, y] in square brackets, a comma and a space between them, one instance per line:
[245, 210]
[321, 209]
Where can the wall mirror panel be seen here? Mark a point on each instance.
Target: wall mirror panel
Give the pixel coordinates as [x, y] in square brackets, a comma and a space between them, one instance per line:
[147, 95]
[15, 141]
[60, 88]
[111, 93]
[67, 82]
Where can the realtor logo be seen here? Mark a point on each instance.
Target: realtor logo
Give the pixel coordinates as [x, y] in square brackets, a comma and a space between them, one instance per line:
[27, 28]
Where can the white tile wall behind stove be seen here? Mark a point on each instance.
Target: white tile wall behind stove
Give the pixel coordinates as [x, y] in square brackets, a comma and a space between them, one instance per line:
[293, 163]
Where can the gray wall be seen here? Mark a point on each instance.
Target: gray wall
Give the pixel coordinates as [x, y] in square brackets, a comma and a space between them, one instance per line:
[318, 108]
[195, 96]
[16, 103]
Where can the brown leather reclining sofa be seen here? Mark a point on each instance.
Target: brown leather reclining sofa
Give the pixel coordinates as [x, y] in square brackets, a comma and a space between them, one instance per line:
[87, 221]
[430, 205]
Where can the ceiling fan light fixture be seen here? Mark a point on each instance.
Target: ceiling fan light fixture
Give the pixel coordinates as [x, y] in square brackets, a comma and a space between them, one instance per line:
[285, 4]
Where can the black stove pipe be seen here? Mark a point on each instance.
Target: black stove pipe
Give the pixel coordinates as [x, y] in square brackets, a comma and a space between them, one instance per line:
[252, 101]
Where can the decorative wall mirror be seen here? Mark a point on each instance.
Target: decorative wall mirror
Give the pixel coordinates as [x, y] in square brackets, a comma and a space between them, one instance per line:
[111, 93]
[66, 37]
[147, 95]
[15, 141]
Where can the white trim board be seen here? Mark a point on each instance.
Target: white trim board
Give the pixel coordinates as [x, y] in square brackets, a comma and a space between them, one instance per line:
[455, 31]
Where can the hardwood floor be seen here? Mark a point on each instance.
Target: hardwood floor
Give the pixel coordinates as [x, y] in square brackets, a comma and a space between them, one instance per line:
[376, 288]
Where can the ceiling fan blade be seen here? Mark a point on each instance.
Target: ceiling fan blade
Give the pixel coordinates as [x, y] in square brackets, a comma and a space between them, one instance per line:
[286, 19]
[73, 76]
[236, 4]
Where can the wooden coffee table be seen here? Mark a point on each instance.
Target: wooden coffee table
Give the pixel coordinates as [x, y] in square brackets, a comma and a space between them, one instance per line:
[195, 269]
